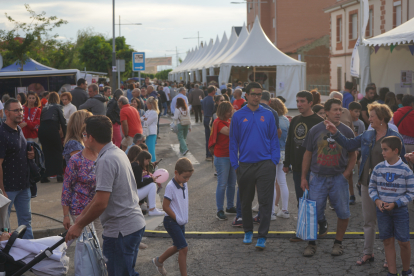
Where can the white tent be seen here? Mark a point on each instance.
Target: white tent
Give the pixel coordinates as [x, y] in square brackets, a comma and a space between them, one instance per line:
[258, 50]
[384, 67]
[199, 66]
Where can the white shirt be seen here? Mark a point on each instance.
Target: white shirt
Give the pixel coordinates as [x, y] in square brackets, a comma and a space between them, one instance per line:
[151, 122]
[167, 92]
[68, 110]
[174, 102]
[178, 113]
[179, 201]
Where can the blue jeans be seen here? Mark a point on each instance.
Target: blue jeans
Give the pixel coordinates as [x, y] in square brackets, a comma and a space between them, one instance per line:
[394, 223]
[226, 179]
[150, 141]
[165, 107]
[122, 253]
[182, 137]
[21, 201]
[238, 205]
[176, 232]
[207, 132]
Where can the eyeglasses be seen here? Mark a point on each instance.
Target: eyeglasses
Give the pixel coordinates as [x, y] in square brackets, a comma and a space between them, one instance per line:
[256, 94]
[17, 110]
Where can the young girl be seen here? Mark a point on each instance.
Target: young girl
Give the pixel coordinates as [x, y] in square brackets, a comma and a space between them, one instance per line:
[146, 186]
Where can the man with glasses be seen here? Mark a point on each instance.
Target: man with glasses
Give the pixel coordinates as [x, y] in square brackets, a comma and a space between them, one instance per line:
[14, 168]
[254, 153]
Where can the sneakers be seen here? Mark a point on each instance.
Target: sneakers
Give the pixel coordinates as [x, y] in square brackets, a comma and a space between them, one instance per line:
[209, 158]
[310, 250]
[156, 212]
[215, 174]
[221, 216]
[256, 208]
[261, 243]
[184, 153]
[407, 273]
[277, 209]
[248, 236]
[256, 219]
[283, 214]
[323, 229]
[231, 210]
[237, 222]
[159, 266]
[352, 200]
[273, 216]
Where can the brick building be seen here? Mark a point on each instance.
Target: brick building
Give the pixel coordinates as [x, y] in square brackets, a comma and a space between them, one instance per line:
[300, 29]
[384, 15]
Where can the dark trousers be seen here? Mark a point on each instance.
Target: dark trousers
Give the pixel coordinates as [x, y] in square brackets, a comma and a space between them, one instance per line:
[297, 179]
[207, 132]
[197, 112]
[262, 176]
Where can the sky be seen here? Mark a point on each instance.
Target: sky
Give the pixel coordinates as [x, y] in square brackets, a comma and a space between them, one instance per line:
[165, 23]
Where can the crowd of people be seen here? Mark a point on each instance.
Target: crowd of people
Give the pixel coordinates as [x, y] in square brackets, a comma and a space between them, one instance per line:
[102, 146]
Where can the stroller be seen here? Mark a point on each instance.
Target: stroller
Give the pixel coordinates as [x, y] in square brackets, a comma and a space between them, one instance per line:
[18, 256]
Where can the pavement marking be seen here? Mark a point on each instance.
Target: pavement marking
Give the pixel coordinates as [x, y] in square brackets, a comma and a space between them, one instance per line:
[176, 149]
[255, 232]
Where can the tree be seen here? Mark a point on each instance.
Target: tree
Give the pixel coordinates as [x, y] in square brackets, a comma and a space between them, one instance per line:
[96, 53]
[35, 39]
[163, 75]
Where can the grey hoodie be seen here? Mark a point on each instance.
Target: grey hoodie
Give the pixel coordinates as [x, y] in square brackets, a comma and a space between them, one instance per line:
[96, 105]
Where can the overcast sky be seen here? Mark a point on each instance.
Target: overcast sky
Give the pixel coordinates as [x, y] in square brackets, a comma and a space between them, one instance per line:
[165, 22]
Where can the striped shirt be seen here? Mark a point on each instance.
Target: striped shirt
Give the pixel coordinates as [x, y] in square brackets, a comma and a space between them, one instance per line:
[392, 183]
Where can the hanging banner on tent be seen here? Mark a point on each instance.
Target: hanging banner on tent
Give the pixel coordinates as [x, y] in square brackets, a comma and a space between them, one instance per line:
[392, 47]
[376, 48]
[365, 18]
[411, 47]
[355, 60]
[406, 79]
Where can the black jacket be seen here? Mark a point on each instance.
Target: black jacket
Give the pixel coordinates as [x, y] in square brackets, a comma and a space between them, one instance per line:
[112, 111]
[141, 182]
[54, 113]
[79, 96]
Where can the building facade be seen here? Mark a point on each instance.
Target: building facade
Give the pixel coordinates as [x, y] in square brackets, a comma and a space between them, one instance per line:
[345, 17]
[300, 29]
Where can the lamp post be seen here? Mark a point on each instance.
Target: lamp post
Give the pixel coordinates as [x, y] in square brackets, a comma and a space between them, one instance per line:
[113, 80]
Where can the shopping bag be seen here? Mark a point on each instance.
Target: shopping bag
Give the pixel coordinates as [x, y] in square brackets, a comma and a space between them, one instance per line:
[89, 259]
[307, 227]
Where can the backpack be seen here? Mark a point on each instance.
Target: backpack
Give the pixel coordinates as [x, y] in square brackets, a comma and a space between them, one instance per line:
[185, 119]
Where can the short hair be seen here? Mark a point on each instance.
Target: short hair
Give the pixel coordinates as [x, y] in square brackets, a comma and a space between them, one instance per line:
[369, 87]
[67, 95]
[278, 106]
[37, 102]
[217, 98]
[305, 94]
[123, 100]
[106, 88]
[229, 91]
[281, 98]
[335, 93]
[393, 142]
[328, 104]
[265, 95]
[224, 108]
[133, 153]
[94, 87]
[183, 165]
[131, 86]
[317, 107]
[354, 105]
[138, 137]
[372, 84]
[63, 89]
[399, 97]
[229, 85]
[80, 82]
[117, 94]
[253, 85]
[53, 98]
[9, 102]
[5, 98]
[211, 88]
[382, 110]
[316, 96]
[196, 86]
[349, 85]
[181, 89]
[144, 147]
[407, 100]
[100, 128]
[382, 92]
[223, 91]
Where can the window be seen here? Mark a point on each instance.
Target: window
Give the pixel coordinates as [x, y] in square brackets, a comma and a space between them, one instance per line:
[354, 26]
[274, 23]
[339, 29]
[398, 15]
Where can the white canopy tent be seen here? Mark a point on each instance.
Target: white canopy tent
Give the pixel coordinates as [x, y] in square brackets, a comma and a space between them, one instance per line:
[258, 50]
[381, 65]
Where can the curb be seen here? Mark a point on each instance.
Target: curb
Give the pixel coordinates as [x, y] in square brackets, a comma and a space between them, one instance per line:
[43, 233]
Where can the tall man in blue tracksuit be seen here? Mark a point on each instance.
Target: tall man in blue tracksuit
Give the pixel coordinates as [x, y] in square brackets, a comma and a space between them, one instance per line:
[254, 153]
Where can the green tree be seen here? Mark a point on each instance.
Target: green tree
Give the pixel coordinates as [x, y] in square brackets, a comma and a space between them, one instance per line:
[36, 37]
[163, 75]
[96, 54]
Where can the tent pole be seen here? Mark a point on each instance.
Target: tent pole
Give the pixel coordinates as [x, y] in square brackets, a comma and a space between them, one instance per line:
[254, 74]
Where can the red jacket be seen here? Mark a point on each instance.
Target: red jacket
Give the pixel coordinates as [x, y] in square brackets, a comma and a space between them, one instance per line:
[32, 118]
[405, 127]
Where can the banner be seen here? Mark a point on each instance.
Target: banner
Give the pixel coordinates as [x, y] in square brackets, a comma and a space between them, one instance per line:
[158, 61]
[355, 53]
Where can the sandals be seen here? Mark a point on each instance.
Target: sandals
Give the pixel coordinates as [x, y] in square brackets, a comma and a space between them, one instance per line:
[310, 250]
[369, 260]
[385, 265]
[337, 249]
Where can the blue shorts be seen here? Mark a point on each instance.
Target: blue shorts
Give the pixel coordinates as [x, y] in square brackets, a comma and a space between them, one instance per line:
[176, 232]
[394, 223]
[336, 186]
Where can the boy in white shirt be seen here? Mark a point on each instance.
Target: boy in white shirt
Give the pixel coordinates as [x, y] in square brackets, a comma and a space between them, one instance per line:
[175, 205]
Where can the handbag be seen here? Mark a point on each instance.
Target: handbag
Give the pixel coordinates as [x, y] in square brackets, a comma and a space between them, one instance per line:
[174, 127]
[89, 259]
[307, 226]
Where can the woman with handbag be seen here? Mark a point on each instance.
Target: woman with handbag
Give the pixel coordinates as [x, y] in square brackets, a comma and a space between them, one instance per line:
[183, 121]
[149, 125]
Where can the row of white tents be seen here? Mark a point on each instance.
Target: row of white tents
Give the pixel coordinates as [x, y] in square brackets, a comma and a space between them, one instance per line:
[252, 49]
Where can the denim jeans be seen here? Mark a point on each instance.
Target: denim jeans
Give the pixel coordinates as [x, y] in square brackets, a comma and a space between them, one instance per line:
[151, 140]
[122, 253]
[207, 132]
[238, 205]
[182, 137]
[165, 107]
[21, 201]
[226, 182]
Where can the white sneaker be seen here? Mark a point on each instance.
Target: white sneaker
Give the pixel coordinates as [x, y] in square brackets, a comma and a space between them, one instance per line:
[256, 208]
[156, 212]
[277, 209]
[283, 214]
[273, 217]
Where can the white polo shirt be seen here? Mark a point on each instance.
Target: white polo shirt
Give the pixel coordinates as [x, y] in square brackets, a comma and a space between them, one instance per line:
[179, 200]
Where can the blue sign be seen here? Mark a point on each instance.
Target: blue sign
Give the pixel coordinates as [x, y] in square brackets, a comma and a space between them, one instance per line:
[138, 61]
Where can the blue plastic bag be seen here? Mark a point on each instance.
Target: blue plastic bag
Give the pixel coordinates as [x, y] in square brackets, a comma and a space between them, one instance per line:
[307, 227]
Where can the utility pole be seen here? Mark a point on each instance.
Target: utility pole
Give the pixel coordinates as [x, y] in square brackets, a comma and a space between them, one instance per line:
[198, 38]
[125, 24]
[113, 80]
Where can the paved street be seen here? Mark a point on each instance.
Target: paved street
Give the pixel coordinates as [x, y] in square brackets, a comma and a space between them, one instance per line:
[225, 254]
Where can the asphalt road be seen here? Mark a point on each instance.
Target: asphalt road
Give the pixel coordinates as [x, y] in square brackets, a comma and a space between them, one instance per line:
[226, 254]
